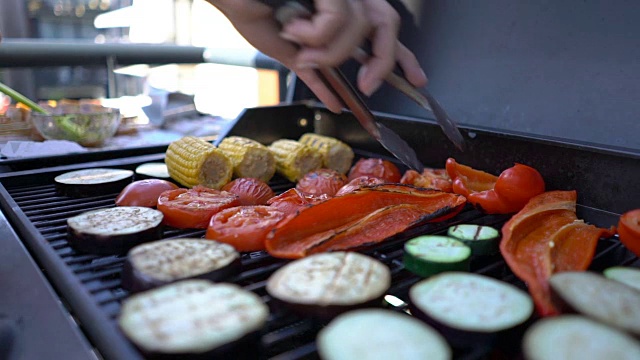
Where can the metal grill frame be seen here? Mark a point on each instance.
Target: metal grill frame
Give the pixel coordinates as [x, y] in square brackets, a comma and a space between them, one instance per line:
[286, 336]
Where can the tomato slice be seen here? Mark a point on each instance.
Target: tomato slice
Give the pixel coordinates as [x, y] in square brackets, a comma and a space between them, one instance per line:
[382, 169]
[193, 208]
[144, 192]
[244, 227]
[251, 191]
[629, 230]
[321, 182]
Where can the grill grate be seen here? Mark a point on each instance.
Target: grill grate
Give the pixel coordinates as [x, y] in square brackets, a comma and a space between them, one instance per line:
[287, 336]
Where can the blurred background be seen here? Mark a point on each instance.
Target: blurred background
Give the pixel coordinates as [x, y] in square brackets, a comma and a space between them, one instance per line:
[565, 70]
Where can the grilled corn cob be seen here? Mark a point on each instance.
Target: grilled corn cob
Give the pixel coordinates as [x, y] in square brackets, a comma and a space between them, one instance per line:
[192, 161]
[294, 159]
[249, 158]
[336, 155]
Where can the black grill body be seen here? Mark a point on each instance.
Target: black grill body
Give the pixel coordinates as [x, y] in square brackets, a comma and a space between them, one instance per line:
[90, 285]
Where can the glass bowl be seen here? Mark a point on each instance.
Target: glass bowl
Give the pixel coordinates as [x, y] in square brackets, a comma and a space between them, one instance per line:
[86, 125]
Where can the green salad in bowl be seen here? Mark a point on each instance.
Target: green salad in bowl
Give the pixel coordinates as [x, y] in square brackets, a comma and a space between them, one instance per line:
[88, 125]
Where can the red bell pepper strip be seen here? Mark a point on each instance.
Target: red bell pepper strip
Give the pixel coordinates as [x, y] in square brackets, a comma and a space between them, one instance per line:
[629, 230]
[546, 237]
[294, 236]
[504, 194]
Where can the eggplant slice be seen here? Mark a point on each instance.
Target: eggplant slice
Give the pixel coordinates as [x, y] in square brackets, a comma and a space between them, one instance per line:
[161, 262]
[93, 182]
[597, 297]
[327, 284]
[114, 230]
[574, 337]
[470, 309]
[194, 318]
[380, 334]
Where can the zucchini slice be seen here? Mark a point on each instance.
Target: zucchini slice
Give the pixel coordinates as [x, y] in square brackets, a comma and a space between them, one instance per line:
[328, 284]
[161, 262]
[114, 230]
[627, 275]
[433, 254]
[470, 309]
[574, 337]
[194, 317]
[597, 297]
[92, 182]
[483, 240]
[153, 170]
[380, 334]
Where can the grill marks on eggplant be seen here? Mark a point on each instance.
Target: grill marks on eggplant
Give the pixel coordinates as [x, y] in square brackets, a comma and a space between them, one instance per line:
[161, 262]
[330, 279]
[191, 317]
[114, 230]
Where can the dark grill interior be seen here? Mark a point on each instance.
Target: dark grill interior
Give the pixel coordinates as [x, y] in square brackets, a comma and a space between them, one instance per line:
[286, 336]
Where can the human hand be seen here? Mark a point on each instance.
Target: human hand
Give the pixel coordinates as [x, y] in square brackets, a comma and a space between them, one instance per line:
[328, 38]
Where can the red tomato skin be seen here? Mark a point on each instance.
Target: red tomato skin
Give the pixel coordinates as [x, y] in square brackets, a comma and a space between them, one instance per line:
[358, 183]
[321, 182]
[144, 192]
[193, 208]
[251, 191]
[629, 230]
[382, 169]
[244, 227]
[518, 184]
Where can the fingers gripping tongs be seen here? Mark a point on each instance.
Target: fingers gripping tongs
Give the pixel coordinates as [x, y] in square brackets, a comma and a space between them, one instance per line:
[285, 10]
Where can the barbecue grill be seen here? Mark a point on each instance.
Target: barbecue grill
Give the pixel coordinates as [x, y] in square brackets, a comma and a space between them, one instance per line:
[89, 286]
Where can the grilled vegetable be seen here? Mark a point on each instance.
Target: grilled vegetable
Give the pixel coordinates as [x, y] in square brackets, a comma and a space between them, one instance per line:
[194, 318]
[336, 155]
[358, 183]
[599, 298]
[326, 285]
[114, 230]
[573, 337]
[626, 275]
[504, 194]
[483, 240]
[362, 217]
[244, 227]
[380, 334]
[192, 161]
[321, 182]
[429, 178]
[379, 168]
[250, 191]
[193, 208]
[144, 192]
[153, 170]
[294, 159]
[250, 158]
[92, 182]
[546, 237]
[469, 309]
[432, 254]
[161, 262]
[629, 230]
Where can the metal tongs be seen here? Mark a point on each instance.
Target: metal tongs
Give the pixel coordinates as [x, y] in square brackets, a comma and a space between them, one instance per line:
[286, 10]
